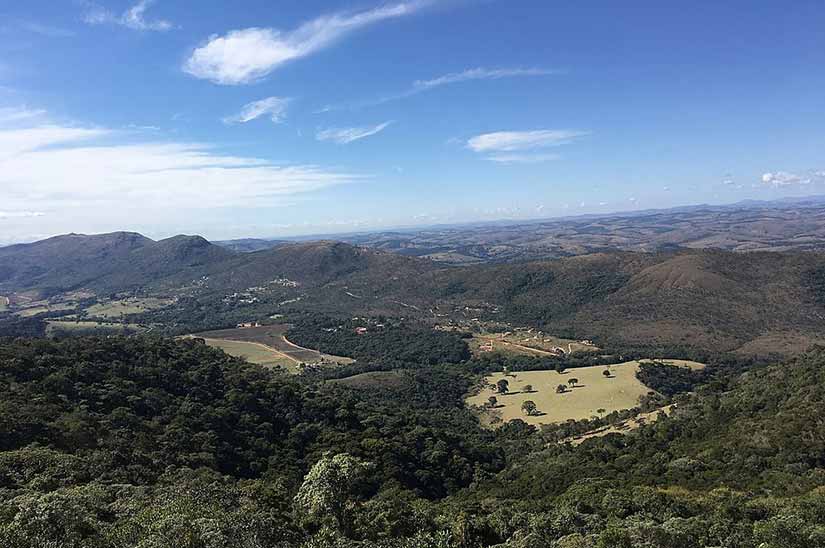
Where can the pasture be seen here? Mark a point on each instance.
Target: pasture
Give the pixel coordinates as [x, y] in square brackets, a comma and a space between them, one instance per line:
[273, 337]
[593, 395]
[125, 307]
[54, 327]
[255, 353]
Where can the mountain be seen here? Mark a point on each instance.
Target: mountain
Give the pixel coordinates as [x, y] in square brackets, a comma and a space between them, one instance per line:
[754, 303]
[103, 263]
[248, 245]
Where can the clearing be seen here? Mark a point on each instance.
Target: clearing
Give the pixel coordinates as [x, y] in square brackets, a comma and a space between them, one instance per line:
[593, 394]
[125, 307]
[527, 342]
[56, 326]
[255, 353]
[272, 337]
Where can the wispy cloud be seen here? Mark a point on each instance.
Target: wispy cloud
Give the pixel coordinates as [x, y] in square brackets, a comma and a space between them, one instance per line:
[247, 55]
[522, 158]
[274, 107]
[133, 18]
[343, 136]
[35, 27]
[522, 146]
[469, 75]
[16, 114]
[20, 214]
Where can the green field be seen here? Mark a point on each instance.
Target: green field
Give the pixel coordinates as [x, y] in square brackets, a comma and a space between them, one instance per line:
[4, 303]
[255, 353]
[592, 393]
[125, 307]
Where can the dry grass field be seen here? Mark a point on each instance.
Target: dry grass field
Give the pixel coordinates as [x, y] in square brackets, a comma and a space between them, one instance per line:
[255, 353]
[272, 337]
[525, 343]
[593, 394]
[117, 309]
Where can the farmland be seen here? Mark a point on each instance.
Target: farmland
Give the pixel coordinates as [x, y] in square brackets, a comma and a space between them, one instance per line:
[125, 307]
[272, 336]
[255, 353]
[594, 394]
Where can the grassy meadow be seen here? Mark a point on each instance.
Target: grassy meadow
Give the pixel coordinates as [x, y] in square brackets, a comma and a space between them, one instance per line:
[593, 395]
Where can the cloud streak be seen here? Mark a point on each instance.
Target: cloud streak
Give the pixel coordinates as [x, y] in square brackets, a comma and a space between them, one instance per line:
[469, 75]
[345, 136]
[247, 55]
[522, 146]
[273, 107]
[133, 18]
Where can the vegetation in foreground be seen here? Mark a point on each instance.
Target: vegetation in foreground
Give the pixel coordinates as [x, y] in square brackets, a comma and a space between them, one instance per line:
[151, 442]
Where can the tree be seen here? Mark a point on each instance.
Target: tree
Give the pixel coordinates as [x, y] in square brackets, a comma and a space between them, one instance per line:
[561, 389]
[528, 388]
[503, 386]
[529, 407]
[600, 411]
[607, 374]
[492, 401]
[573, 382]
[329, 486]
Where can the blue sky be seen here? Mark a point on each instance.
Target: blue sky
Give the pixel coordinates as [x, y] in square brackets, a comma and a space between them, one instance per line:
[275, 118]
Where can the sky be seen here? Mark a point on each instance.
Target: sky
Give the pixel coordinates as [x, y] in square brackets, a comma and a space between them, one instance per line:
[268, 118]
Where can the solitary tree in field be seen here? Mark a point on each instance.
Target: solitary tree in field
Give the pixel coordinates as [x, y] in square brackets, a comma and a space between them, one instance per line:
[573, 382]
[529, 407]
[607, 374]
[600, 411]
[492, 401]
[503, 386]
[528, 388]
[561, 389]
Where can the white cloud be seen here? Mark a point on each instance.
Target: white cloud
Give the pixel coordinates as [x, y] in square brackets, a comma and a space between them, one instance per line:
[512, 141]
[247, 55]
[90, 173]
[274, 107]
[343, 136]
[523, 147]
[784, 179]
[133, 18]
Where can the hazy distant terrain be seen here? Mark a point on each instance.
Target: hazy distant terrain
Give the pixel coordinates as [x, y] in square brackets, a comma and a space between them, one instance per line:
[747, 226]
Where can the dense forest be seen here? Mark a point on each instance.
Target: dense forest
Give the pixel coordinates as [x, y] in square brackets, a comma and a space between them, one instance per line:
[116, 442]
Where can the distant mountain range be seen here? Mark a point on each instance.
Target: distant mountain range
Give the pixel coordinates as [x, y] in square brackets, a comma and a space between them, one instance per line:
[755, 303]
[782, 225]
